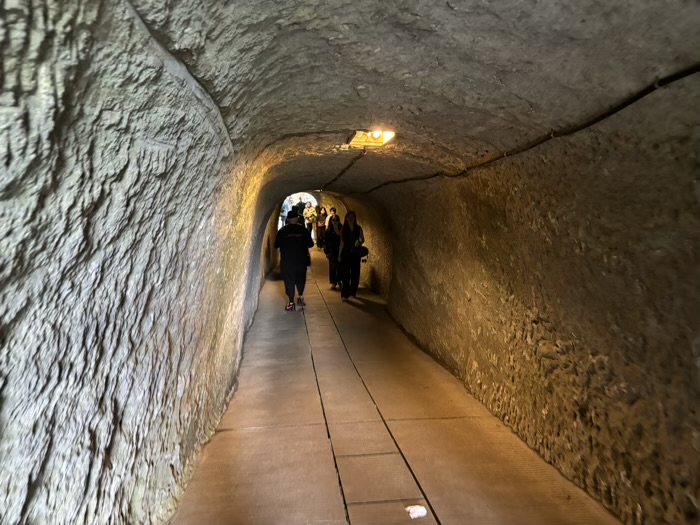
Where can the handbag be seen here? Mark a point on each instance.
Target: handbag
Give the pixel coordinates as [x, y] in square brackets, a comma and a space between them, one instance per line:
[362, 251]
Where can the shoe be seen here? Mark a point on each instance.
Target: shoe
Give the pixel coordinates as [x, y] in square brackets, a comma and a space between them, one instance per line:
[300, 301]
[290, 307]
[345, 299]
[333, 286]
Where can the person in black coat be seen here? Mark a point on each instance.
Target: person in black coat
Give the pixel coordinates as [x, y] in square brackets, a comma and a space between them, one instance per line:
[321, 227]
[294, 241]
[295, 208]
[332, 249]
[351, 239]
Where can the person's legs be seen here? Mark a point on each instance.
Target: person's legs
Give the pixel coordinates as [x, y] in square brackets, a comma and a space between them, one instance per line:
[300, 279]
[321, 231]
[333, 270]
[345, 278]
[355, 263]
[288, 278]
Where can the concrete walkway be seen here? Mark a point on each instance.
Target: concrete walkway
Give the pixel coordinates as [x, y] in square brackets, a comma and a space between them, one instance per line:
[340, 419]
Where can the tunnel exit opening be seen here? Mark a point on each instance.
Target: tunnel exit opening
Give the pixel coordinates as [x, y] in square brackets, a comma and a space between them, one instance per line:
[299, 199]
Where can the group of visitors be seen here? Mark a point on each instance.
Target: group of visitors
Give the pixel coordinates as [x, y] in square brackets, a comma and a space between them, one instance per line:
[343, 246]
[316, 222]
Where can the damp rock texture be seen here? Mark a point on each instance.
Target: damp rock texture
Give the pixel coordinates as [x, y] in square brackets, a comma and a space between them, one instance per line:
[146, 147]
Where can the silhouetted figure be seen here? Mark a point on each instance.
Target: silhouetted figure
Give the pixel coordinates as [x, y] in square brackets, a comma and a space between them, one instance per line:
[294, 242]
[295, 208]
[351, 238]
[332, 248]
[321, 226]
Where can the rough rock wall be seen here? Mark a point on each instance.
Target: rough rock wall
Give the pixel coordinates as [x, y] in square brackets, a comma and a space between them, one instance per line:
[269, 256]
[562, 286]
[459, 79]
[119, 336]
[331, 200]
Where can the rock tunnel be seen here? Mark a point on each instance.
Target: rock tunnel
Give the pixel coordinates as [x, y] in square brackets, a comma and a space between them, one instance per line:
[534, 226]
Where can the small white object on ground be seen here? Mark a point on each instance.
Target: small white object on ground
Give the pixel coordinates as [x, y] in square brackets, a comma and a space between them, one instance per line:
[416, 511]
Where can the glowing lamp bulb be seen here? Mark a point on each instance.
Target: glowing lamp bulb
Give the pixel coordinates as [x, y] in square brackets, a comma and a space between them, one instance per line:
[370, 139]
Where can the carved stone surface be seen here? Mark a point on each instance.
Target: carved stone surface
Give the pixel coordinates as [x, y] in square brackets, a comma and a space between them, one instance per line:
[145, 147]
[120, 323]
[562, 287]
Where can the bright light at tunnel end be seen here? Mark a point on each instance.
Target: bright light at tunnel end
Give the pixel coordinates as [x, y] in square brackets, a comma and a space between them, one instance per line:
[370, 139]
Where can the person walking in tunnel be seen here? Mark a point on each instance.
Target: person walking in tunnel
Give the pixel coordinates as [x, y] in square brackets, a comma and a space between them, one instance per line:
[351, 239]
[295, 209]
[321, 227]
[332, 248]
[294, 241]
[310, 216]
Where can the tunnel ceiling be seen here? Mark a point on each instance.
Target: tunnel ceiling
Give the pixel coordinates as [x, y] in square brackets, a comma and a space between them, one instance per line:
[460, 81]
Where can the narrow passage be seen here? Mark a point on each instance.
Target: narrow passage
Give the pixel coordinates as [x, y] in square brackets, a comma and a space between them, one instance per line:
[340, 419]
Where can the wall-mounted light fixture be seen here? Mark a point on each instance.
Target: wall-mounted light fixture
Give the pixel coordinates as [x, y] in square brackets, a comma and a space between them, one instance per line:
[370, 139]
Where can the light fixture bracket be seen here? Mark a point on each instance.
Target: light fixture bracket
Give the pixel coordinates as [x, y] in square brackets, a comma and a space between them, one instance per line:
[370, 139]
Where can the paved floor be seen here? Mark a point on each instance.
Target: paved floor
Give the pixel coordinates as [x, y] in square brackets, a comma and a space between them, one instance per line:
[340, 419]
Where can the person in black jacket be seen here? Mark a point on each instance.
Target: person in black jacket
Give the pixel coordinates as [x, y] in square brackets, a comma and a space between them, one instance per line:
[351, 238]
[332, 248]
[295, 208]
[321, 227]
[294, 241]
